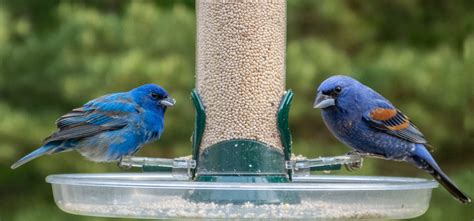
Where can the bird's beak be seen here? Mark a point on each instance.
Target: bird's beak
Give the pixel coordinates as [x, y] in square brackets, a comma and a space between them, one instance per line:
[323, 101]
[168, 102]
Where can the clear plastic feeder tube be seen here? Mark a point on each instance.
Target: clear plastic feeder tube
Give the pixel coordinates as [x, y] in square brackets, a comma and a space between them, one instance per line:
[241, 69]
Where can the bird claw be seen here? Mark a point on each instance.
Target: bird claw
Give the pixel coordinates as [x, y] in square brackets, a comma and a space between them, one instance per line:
[122, 165]
[354, 165]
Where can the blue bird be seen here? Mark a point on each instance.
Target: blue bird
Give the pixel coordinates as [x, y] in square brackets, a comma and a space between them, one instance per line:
[364, 120]
[109, 127]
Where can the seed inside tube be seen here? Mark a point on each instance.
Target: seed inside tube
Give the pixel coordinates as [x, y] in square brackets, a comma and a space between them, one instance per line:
[241, 68]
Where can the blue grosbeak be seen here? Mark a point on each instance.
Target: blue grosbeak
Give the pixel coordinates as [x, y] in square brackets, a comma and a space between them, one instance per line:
[109, 127]
[366, 121]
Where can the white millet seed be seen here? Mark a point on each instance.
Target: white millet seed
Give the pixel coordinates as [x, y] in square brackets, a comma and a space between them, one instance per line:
[177, 207]
[241, 68]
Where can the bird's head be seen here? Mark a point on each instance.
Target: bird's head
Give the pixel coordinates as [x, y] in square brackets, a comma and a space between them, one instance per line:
[336, 91]
[152, 96]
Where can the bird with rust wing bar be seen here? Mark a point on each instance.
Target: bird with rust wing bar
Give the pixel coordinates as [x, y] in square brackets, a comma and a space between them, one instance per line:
[366, 121]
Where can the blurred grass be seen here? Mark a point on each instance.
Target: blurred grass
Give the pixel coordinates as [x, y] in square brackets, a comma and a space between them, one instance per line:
[55, 55]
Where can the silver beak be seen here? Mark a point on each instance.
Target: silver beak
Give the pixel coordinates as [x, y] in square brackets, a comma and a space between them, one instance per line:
[323, 101]
[168, 102]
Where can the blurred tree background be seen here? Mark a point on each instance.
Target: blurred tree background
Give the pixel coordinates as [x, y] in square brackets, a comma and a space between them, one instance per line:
[56, 55]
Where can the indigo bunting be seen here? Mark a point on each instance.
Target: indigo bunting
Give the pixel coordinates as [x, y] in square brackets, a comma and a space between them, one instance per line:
[364, 120]
[109, 127]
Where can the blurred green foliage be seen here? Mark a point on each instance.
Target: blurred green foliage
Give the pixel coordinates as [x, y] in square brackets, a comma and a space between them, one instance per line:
[56, 55]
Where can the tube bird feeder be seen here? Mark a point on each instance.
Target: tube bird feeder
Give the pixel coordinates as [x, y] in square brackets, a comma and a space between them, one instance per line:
[240, 81]
[241, 164]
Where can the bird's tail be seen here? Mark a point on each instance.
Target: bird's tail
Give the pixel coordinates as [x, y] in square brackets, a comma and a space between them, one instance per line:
[424, 160]
[46, 149]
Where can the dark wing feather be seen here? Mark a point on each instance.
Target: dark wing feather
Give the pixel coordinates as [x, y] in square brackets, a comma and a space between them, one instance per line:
[394, 122]
[95, 117]
[81, 131]
[79, 116]
[70, 118]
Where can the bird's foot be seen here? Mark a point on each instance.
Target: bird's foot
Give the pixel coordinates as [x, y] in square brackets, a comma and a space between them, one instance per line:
[354, 165]
[358, 165]
[122, 165]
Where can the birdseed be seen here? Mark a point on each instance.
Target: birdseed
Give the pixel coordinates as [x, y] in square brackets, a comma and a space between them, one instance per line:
[176, 207]
[241, 68]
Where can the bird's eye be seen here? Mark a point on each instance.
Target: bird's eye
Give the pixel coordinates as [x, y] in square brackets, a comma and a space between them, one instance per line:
[156, 96]
[338, 89]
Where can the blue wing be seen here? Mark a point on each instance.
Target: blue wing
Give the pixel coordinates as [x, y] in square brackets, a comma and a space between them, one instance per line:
[106, 113]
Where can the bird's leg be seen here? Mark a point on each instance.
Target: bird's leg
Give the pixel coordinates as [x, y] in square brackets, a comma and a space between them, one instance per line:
[372, 155]
[365, 154]
[123, 166]
[354, 152]
[358, 165]
[355, 165]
